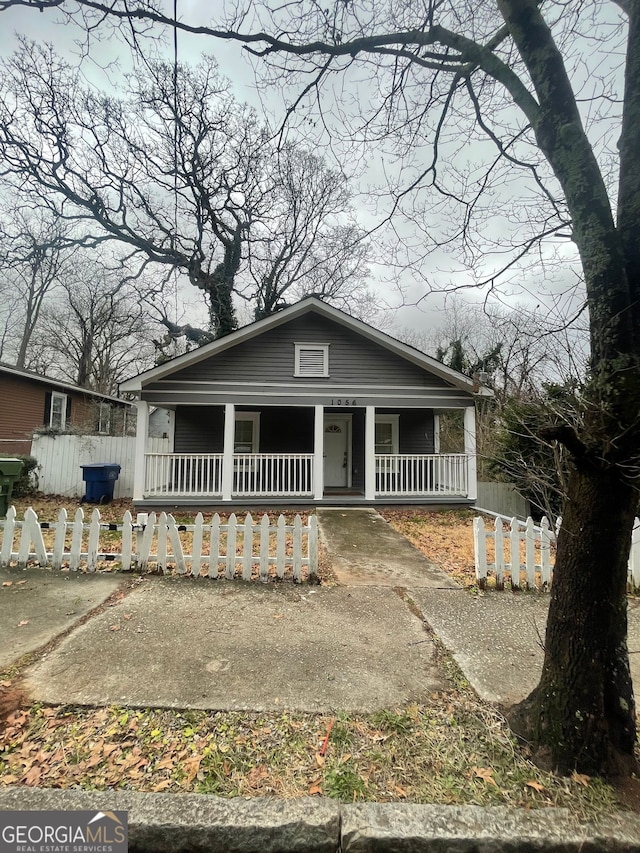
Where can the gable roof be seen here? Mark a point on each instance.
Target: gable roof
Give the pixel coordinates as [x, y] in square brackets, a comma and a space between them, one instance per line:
[308, 305]
[57, 383]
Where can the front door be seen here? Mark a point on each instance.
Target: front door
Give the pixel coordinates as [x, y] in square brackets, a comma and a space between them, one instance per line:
[337, 451]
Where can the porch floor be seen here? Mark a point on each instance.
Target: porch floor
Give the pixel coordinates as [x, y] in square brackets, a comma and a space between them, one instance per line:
[341, 498]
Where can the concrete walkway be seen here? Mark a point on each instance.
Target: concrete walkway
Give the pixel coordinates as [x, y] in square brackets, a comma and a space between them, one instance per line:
[496, 638]
[178, 642]
[366, 551]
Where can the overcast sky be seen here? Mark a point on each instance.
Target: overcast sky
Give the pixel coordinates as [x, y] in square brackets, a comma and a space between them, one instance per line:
[438, 268]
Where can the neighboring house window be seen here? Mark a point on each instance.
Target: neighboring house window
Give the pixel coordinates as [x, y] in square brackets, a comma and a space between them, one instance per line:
[58, 411]
[247, 432]
[386, 440]
[312, 360]
[104, 418]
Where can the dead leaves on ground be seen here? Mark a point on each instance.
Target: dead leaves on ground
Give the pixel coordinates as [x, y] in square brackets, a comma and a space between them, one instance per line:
[446, 538]
[454, 751]
[484, 773]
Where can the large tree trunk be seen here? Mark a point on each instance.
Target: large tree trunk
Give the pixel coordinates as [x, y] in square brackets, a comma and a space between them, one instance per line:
[582, 714]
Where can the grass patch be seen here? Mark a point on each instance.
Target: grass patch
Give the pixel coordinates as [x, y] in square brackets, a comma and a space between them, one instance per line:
[344, 783]
[453, 750]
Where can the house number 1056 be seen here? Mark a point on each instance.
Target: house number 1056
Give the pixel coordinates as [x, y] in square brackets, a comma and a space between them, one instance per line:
[341, 402]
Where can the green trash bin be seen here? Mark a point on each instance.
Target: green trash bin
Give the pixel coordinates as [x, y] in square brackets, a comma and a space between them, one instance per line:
[10, 470]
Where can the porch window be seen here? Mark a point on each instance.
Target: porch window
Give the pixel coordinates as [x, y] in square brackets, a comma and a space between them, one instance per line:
[311, 360]
[246, 435]
[386, 434]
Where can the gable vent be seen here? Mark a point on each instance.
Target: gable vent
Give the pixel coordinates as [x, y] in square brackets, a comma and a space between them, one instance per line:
[312, 360]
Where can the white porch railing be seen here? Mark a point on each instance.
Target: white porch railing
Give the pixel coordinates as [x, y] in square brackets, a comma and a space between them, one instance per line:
[182, 474]
[442, 474]
[254, 474]
[291, 475]
[272, 474]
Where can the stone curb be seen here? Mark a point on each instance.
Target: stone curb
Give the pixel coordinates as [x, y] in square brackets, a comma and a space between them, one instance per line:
[195, 823]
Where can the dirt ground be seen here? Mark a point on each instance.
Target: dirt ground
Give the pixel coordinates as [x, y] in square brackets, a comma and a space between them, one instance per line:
[445, 537]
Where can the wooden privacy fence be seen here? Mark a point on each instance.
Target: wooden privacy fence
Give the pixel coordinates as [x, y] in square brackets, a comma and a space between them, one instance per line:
[60, 458]
[250, 549]
[525, 552]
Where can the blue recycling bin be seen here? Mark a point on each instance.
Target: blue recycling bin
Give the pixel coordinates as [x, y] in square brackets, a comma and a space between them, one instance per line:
[100, 479]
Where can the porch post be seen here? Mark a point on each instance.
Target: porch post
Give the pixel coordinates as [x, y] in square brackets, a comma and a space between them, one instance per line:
[227, 457]
[470, 448]
[139, 466]
[436, 433]
[318, 453]
[370, 453]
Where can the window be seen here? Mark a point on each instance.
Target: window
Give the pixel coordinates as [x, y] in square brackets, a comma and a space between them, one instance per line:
[58, 413]
[247, 430]
[104, 418]
[311, 360]
[386, 440]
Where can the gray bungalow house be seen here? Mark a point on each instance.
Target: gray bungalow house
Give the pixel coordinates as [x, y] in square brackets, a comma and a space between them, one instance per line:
[306, 406]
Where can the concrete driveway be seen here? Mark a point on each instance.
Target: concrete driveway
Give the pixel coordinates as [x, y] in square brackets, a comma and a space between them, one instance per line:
[176, 642]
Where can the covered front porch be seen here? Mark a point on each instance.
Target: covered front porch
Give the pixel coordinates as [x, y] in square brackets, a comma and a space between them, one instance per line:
[304, 454]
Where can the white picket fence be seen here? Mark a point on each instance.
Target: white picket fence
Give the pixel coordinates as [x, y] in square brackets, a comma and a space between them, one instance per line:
[536, 570]
[60, 457]
[246, 548]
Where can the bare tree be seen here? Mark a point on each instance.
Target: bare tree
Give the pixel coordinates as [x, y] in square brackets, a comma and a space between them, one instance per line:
[451, 73]
[529, 349]
[97, 331]
[511, 74]
[183, 176]
[170, 172]
[536, 373]
[307, 242]
[34, 254]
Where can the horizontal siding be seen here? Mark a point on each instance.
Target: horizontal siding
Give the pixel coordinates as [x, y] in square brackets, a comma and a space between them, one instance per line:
[199, 429]
[353, 359]
[22, 408]
[284, 429]
[416, 431]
